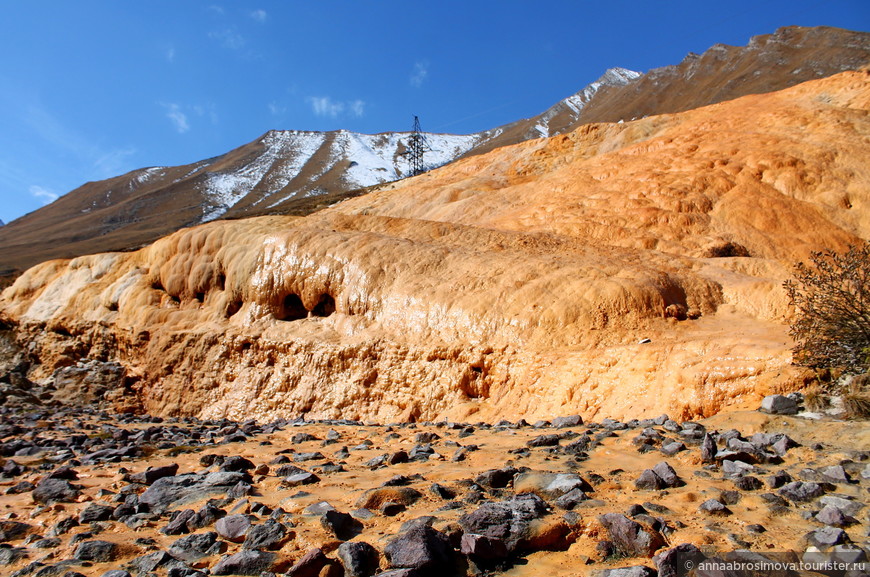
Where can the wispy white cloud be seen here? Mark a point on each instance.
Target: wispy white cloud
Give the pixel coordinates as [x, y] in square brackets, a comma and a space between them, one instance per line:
[419, 73]
[276, 109]
[217, 9]
[114, 162]
[229, 38]
[259, 15]
[326, 106]
[177, 116]
[357, 108]
[170, 54]
[43, 195]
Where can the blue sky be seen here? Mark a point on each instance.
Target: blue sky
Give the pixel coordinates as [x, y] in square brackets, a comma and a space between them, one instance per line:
[95, 88]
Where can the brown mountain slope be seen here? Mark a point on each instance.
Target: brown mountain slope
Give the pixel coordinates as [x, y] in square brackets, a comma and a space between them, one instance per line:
[522, 282]
[284, 172]
[768, 63]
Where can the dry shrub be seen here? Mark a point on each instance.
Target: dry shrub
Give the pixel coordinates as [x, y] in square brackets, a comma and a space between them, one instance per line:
[856, 398]
[815, 399]
[831, 298]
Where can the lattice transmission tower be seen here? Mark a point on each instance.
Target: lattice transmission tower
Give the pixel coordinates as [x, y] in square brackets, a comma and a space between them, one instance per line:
[415, 147]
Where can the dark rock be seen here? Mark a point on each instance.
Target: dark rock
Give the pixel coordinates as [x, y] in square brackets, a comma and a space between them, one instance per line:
[832, 516]
[783, 444]
[778, 479]
[544, 441]
[358, 558]
[730, 497]
[233, 527]
[630, 537]
[309, 565]
[236, 464]
[11, 555]
[269, 535]
[178, 525]
[827, 537]
[398, 457]
[714, 507]
[571, 499]
[421, 548]
[571, 421]
[779, 405]
[12, 530]
[114, 573]
[708, 448]
[849, 507]
[667, 474]
[96, 551]
[246, 562]
[483, 548]
[341, 525]
[49, 543]
[151, 474]
[50, 491]
[748, 483]
[391, 509]
[496, 478]
[799, 491]
[95, 512]
[149, 562]
[194, 547]
[169, 492]
[649, 481]
[673, 562]
[22, 487]
[508, 520]
[442, 492]
[299, 479]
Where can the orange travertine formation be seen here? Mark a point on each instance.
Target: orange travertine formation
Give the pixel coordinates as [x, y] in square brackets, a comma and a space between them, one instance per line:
[519, 283]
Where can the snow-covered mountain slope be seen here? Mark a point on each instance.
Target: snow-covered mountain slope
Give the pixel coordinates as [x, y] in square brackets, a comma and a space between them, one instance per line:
[297, 172]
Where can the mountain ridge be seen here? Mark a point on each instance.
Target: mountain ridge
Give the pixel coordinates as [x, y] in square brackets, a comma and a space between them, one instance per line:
[296, 172]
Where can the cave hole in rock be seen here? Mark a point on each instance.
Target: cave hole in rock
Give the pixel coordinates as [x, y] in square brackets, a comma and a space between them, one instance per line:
[324, 307]
[221, 281]
[232, 308]
[157, 285]
[292, 309]
[199, 296]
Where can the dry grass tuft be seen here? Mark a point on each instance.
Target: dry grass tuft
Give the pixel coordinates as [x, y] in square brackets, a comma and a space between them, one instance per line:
[815, 399]
[856, 398]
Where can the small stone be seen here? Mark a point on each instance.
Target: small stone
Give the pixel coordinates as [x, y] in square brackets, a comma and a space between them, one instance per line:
[649, 481]
[832, 516]
[827, 537]
[233, 527]
[420, 548]
[714, 507]
[481, 547]
[268, 535]
[799, 491]
[309, 565]
[97, 551]
[748, 483]
[246, 562]
[779, 405]
[358, 558]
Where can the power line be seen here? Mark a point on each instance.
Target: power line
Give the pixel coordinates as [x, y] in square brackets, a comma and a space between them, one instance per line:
[415, 147]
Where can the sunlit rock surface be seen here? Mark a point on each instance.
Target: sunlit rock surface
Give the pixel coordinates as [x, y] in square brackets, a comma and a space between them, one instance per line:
[621, 270]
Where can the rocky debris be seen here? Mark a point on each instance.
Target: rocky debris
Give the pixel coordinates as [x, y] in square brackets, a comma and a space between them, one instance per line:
[233, 527]
[421, 548]
[152, 474]
[168, 492]
[268, 535]
[50, 491]
[515, 522]
[483, 548]
[630, 537]
[800, 491]
[661, 476]
[247, 562]
[375, 498]
[342, 525]
[96, 551]
[358, 558]
[194, 547]
[309, 565]
[779, 405]
[550, 485]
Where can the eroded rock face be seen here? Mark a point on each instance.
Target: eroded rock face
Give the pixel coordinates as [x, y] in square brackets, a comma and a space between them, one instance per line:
[516, 283]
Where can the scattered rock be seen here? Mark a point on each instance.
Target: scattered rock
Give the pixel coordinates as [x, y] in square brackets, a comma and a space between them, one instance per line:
[358, 558]
[779, 405]
[168, 492]
[309, 565]
[233, 527]
[631, 538]
[246, 562]
[50, 491]
[96, 551]
[420, 548]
